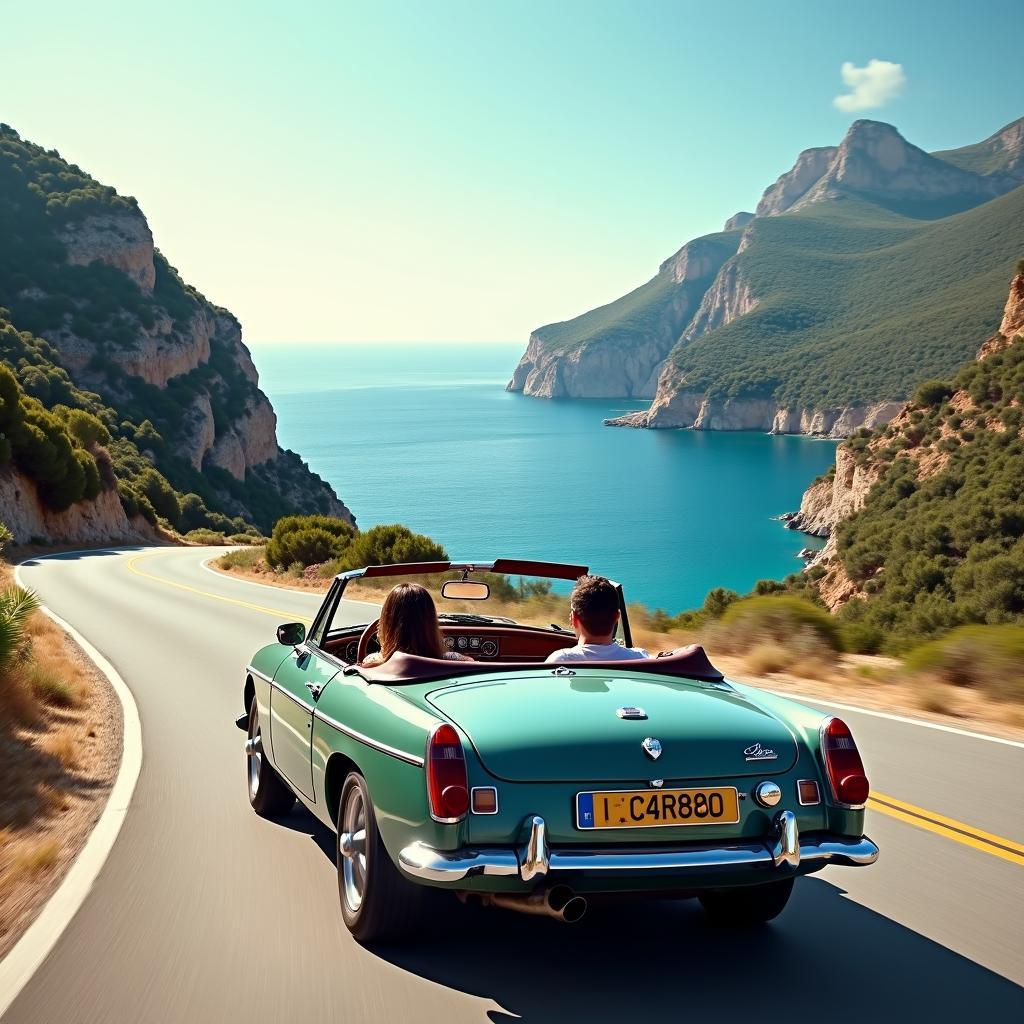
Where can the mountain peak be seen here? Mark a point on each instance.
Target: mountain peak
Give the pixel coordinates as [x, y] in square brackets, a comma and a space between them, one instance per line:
[1000, 155]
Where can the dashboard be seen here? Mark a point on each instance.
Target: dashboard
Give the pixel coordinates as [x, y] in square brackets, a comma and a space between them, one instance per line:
[484, 643]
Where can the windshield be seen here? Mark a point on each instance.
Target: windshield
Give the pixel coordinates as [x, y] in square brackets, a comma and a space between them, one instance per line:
[522, 600]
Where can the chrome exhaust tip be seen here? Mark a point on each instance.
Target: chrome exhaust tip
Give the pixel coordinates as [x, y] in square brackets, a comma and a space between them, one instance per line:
[559, 902]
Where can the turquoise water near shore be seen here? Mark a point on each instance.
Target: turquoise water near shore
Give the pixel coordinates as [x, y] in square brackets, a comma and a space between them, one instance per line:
[426, 435]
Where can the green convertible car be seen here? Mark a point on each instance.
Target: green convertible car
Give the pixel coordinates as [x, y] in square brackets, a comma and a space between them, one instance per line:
[535, 786]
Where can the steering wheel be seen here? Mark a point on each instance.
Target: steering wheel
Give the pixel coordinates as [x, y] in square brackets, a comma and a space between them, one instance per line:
[365, 637]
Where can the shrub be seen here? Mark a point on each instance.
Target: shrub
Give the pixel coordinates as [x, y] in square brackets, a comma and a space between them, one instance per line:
[245, 558]
[50, 687]
[932, 392]
[16, 605]
[767, 657]
[5, 537]
[203, 536]
[308, 540]
[861, 637]
[388, 545]
[989, 657]
[778, 617]
[161, 495]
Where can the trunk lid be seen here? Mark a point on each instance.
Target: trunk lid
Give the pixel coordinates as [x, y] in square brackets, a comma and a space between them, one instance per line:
[547, 728]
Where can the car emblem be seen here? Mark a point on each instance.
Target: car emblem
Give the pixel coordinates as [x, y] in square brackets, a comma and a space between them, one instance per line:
[755, 752]
[631, 712]
[652, 748]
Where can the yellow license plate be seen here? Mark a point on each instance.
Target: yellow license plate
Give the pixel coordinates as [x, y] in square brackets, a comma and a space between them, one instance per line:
[657, 808]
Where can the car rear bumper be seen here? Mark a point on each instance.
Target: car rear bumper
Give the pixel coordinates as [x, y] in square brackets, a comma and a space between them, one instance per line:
[783, 850]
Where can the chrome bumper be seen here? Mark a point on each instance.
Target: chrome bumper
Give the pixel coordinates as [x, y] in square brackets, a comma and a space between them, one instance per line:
[535, 859]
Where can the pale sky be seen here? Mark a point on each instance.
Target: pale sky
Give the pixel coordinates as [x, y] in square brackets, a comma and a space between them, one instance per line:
[467, 171]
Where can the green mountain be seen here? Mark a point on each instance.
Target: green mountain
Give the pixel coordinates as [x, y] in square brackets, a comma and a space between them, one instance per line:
[866, 266]
[95, 321]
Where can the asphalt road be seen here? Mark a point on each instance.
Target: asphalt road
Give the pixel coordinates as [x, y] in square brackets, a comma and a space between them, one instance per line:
[205, 912]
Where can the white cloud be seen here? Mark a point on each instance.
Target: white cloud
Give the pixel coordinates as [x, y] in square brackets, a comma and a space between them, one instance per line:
[870, 86]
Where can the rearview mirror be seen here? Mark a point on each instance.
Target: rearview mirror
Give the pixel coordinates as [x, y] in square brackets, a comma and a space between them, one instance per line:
[465, 590]
[291, 634]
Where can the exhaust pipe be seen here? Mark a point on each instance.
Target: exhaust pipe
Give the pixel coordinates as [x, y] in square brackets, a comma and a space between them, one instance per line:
[559, 902]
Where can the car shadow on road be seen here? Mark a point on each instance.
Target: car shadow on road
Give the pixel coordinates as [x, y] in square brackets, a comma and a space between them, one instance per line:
[825, 958]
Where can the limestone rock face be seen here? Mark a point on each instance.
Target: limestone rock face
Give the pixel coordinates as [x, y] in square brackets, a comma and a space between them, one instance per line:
[102, 520]
[728, 298]
[830, 500]
[810, 165]
[1013, 313]
[673, 408]
[120, 239]
[875, 159]
[738, 220]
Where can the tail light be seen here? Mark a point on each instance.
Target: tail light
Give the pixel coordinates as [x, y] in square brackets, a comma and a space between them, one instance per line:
[447, 785]
[842, 763]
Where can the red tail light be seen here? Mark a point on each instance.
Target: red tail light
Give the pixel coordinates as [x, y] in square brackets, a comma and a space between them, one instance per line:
[447, 785]
[842, 762]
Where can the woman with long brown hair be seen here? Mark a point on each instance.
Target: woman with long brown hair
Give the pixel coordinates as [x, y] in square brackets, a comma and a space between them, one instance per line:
[408, 625]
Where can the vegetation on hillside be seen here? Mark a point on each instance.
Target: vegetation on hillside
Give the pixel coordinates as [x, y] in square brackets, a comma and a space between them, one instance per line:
[857, 303]
[642, 314]
[945, 549]
[41, 294]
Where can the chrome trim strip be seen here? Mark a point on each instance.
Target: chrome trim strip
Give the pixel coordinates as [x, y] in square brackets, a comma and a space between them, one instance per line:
[291, 696]
[256, 672]
[359, 737]
[787, 853]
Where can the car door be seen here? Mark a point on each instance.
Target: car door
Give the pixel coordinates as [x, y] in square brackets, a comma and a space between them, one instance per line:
[297, 684]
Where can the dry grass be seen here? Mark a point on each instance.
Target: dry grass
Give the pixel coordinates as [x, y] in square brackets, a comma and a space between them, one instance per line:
[63, 745]
[934, 696]
[767, 657]
[38, 856]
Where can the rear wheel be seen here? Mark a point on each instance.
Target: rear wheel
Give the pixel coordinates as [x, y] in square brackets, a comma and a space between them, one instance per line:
[747, 905]
[377, 903]
[268, 793]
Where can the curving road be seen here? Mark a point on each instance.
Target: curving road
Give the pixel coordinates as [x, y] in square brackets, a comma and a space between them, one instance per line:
[206, 913]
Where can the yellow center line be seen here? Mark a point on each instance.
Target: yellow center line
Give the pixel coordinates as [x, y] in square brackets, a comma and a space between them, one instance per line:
[283, 616]
[920, 817]
[948, 828]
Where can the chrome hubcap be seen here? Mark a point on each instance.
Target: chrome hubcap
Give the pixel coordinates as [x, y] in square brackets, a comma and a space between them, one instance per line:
[254, 756]
[352, 849]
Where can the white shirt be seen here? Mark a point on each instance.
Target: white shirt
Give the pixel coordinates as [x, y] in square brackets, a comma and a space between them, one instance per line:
[598, 652]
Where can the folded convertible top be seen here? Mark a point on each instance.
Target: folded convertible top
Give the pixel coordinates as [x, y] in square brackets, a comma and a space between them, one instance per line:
[685, 663]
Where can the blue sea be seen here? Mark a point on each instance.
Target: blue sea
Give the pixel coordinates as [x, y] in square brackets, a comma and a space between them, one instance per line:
[426, 435]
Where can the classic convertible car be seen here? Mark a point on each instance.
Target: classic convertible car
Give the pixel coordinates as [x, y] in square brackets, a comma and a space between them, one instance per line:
[534, 786]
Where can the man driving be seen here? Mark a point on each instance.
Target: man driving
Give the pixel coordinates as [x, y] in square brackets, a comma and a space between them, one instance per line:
[594, 613]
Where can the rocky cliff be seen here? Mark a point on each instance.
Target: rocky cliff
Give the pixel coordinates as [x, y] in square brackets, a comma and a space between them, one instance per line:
[616, 351]
[827, 310]
[133, 344]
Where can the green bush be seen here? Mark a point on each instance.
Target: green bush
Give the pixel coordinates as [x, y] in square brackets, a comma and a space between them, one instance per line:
[989, 657]
[5, 537]
[244, 558]
[932, 392]
[388, 545]
[780, 617]
[161, 495]
[308, 540]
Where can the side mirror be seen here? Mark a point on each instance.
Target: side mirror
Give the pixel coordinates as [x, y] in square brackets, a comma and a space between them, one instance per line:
[291, 634]
[465, 590]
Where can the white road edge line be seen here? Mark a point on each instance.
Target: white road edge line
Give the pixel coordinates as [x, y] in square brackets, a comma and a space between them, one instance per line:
[898, 718]
[28, 953]
[808, 700]
[205, 564]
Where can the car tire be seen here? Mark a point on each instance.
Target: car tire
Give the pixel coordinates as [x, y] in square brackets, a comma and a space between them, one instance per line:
[268, 792]
[377, 902]
[746, 905]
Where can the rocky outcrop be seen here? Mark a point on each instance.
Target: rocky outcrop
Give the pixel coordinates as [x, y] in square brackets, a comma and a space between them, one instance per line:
[738, 220]
[1013, 313]
[100, 521]
[790, 187]
[614, 362]
[119, 239]
[1000, 156]
[875, 160]
[729, 298]
[830, 499]
[673, 409]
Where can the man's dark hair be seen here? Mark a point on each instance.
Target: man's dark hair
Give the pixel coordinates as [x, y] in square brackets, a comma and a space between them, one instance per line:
[596, 602]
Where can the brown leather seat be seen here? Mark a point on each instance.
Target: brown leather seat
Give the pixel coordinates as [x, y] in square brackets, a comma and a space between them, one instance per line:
[684, 663]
